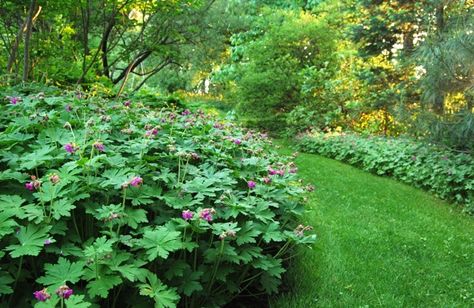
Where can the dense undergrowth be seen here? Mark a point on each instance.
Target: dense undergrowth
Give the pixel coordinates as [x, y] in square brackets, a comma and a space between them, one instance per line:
[118, 204]
[448, 174]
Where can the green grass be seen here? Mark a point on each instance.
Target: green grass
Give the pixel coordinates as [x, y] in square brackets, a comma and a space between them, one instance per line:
[380, 244]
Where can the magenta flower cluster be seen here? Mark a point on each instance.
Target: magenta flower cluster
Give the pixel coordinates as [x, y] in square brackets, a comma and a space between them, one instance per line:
[33, 184]
[151, 132]
[279, 172]
[136, 181]
[99, 146]
[207, 214]
[42, 295]
[64, 291]
[251, 184]
[71, 148]
[14, 100]
[30, 186]
[187, 215]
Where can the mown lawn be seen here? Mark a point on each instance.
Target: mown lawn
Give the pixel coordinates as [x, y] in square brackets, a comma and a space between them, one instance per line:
[380, 244]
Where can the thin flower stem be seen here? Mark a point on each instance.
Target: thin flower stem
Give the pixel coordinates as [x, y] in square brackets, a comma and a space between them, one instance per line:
[117, 295]
[53, 195]
[195, 254]
[216, 266]
[124, 198]
[16, 279]
[72, 132]
[282, 249]
[75, 225]
[96, 267]
[184, 250]
[185, 169]
[123, 210]
[179, 167]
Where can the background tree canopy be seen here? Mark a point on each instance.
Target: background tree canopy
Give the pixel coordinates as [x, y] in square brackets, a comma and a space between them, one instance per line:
[383, 67]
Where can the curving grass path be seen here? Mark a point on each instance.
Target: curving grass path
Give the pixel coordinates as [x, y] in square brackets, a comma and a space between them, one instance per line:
[381, 244]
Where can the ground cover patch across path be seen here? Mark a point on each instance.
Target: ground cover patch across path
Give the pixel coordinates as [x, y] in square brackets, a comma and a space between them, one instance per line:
[380, 244]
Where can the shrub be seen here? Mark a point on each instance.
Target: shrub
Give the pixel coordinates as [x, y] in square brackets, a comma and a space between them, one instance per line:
[279, 66]
[119, 204]
[447, 174]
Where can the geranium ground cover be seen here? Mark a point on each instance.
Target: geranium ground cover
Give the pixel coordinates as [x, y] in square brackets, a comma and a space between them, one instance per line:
[117, 204]
[448, 174]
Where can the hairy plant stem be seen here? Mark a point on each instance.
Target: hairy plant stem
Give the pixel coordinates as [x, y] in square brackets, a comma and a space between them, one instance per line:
[53, 195]
[179, 168]
[96, 266]
[75, 226]
[282, 249]
[195, 254]
[216, 266]
[16, 280]
[116, 296]
[123, 210]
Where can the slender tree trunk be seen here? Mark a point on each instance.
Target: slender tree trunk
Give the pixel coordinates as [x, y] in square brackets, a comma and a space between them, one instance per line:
[26, 51]
[103, 47]
[440, 97]
[105, 37]
[408, 41]
[153, 73]
[85, 33]
[438, 106]
[139, 59]
[469, 102]
[385, 121]
[14, 50]
[440, 18]
[127, 73]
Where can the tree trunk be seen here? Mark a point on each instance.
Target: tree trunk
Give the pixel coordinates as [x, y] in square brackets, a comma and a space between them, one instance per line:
[125, 78]
[438, 106]
[469, 102]
[14, 50]
[103, 41]
[408, 44]
[152, 73]
[103, 47]
[26, 50]
[139, 59]
[440, 17]
[85, 33]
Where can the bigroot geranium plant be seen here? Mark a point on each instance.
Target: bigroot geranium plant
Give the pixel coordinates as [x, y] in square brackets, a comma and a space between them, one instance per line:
[118, 204]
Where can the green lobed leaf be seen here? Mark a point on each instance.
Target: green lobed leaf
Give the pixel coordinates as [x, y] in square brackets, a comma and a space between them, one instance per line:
[61, 272]
[160, 242]
[62, 207]
[31, 240]
[100, 287]
[164, 296]
[5, 283]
